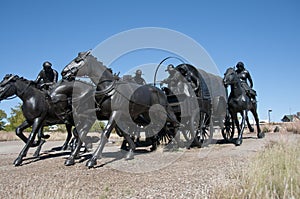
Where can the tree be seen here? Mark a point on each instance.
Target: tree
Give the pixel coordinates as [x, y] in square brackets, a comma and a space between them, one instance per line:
[16, 118]
[2, 116]
[97, 126]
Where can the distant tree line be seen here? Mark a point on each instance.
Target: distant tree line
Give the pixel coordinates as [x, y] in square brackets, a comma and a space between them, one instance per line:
[15, 119]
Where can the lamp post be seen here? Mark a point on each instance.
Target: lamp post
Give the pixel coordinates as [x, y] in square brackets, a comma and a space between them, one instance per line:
[269, 114]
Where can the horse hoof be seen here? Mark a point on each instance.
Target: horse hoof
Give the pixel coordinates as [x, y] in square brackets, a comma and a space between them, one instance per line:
[64, 147]
[91, 163]
[18, 162]
[69, 162]
[36, 154]
[129, 156]
[46, 136]
[251, 130]
[238, 142]
[153, 148]
[35, 144]
[261, 135]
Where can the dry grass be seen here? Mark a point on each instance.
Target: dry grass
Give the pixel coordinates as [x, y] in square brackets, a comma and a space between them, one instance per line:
[282, 126]
[273, 173]
[293, 127]
[10, 136]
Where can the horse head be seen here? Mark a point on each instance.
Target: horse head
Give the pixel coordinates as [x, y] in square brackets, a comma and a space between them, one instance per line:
[230, 77]
[6, 87]
[75, 65]
[86, 65]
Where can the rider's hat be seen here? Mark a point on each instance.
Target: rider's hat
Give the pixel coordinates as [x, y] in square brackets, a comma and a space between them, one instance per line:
[138, 72]
[170, 67]
[240, 65]
[47, 64]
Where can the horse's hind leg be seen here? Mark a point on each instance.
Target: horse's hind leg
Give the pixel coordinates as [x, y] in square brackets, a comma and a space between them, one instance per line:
[251, 129]
[129, 155]
[40, 142]
[69, 136]
[83, 128]
[259, 133]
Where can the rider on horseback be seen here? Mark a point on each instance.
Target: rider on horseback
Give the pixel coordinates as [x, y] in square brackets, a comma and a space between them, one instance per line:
[138, 78]
[47, 77]
[244, 75]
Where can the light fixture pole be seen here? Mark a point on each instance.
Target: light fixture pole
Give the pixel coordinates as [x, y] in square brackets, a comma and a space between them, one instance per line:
[269, 114]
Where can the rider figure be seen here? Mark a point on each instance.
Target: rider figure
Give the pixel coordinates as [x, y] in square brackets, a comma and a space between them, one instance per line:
[191, 78]
[244, 75]
[47, 76]
[141, 81]
[173, 80]
[138, 78]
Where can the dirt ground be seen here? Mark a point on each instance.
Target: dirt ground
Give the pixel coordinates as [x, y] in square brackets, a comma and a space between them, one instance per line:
[182, 173]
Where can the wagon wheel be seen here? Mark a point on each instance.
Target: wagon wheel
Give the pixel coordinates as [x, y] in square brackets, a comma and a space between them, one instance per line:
[228, 129]
[189, 131]
[204, 130]
[166, 135]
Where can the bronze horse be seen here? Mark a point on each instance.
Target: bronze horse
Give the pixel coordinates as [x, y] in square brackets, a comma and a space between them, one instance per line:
[239, 102]
[41, 109]
[123, 104]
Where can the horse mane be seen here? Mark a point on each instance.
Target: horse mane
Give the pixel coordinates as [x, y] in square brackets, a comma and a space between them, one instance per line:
[84, 82]
[28, 81]
[100, 63]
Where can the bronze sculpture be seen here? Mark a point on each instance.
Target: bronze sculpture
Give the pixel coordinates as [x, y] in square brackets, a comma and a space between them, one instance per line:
[240, 102]
[39, 110]
[138, 78]
[187, 88]
[47, 77]
[173, 80]
[245, 77]
[111, 96]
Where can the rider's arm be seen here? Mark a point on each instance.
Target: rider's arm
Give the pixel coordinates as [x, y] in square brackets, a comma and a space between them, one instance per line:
[250, 80]
[38, 78]
[55, 76]
[144, 82]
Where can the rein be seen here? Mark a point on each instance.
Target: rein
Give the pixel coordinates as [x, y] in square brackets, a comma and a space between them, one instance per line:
[129, 100]
[108, 89]
[23, 91]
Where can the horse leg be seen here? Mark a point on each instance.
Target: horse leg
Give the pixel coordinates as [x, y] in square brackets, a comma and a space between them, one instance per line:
[42, 135]
[79, 137]
[41, 143]
[104, 139]
[127, 137]
[259, 133]
[69, 136]
[251, 129]
[35, 128]
[242, 127]
[236, 121]
[20, 129]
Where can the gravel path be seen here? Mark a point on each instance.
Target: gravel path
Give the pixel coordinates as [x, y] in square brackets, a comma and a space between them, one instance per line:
[190, 173]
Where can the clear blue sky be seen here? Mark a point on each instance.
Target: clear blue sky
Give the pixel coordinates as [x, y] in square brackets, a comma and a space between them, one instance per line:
[265, 35]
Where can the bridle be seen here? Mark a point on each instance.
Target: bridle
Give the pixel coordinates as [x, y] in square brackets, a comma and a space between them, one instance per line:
[13, 96]
[73, 71]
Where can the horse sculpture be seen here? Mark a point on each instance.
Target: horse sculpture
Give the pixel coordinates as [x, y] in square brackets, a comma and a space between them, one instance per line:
[239, 102]
[41, 109]
[123, 104]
